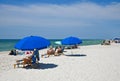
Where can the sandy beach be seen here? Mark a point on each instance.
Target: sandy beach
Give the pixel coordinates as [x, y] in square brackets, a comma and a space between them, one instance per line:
[88, 63]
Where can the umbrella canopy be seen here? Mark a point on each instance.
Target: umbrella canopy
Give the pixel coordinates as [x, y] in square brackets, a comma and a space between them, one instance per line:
[116, 38]
[32, 42]
[71, 41]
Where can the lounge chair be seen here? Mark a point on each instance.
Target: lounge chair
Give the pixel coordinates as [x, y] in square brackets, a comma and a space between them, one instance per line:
[24, 62]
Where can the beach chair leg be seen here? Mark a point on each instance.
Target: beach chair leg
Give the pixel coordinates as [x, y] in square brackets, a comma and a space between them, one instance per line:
[62, 54]
[23, 65]
[14, 66]
[18, 65]
[42, 56]
[48, 55]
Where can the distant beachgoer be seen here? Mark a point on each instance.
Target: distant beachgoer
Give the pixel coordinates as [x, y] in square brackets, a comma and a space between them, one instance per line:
[12, 52]
[74, 46]
[106, 42]
[28, 52]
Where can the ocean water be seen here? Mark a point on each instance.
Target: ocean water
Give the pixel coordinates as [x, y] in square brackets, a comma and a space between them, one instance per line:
[8, 44]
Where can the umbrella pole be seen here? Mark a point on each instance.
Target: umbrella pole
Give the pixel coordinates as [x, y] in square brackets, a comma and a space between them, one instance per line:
[71, 50]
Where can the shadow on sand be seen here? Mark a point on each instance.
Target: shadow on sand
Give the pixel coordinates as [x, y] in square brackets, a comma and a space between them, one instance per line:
[77, 55]
[42, 66]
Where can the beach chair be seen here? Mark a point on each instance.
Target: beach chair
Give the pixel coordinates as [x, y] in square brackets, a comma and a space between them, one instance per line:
[24, 62]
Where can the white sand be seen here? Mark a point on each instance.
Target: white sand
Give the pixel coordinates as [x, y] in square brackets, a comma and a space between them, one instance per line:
[89, 63]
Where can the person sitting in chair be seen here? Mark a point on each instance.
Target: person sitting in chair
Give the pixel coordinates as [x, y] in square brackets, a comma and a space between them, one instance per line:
[28, 60]
[50, 51]
[59, 50]
[25, 61]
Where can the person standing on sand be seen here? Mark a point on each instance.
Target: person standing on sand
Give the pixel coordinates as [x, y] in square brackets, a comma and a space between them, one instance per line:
[36, 54]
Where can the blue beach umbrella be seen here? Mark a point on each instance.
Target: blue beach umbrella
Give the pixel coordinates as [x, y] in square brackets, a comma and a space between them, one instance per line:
[71, 41]
[32, 42]
[116, 38]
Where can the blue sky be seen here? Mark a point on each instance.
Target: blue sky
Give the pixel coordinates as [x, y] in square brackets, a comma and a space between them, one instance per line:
[95, 19]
